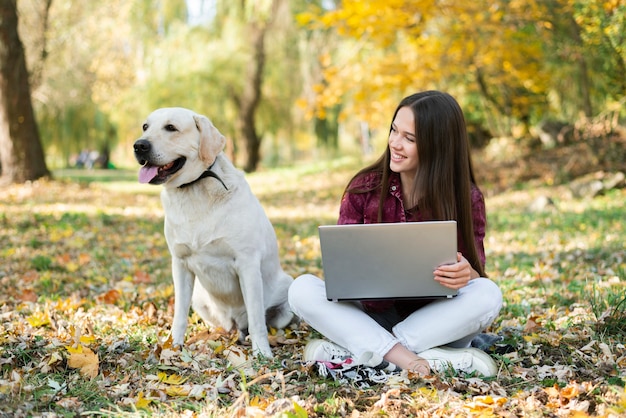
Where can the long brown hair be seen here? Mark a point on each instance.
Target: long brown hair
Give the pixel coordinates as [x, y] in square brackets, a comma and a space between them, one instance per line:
[444, 177]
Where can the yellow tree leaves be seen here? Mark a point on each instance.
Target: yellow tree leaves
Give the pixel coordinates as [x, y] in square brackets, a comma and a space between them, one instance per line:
[377, 60]
[380, 21]
[491, 48]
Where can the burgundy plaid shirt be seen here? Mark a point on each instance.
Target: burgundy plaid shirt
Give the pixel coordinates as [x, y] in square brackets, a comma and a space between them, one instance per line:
[362, 208]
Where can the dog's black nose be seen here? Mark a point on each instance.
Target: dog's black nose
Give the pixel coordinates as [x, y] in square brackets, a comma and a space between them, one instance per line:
[141, 146]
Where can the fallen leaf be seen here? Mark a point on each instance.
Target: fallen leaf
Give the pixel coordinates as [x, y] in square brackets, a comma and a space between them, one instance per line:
[110, 297]
[142, 403]
[85, 360]
[569, 392]
[172, 379]
[84, 259]
[177, 391]
[275, 340]
[87, 339]
[141, 277]
[532, 324]
[39, 319]
[28, 295]
[167, 343]
[72, 403]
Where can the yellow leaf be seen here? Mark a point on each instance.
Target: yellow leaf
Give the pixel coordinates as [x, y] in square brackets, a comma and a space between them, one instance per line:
[142, 403]
[72, 267]
[86, 339]
[485, 405]
[569, 392]
[86, 361]
[430, 394]
[552, 391]
[173, 379]
[78, 349]
[300, 411]
[54, 357]
[38, 319]
[531, 338]
[177, 391]
[69, 304]
[261, 403]
[488, 400]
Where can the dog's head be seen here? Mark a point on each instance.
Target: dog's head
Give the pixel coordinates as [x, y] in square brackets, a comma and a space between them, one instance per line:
[176, 147]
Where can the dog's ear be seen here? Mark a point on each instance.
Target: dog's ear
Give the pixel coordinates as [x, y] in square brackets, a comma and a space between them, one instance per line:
[212, 142]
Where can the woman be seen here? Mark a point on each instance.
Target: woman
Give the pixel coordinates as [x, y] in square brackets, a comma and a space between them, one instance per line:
[424, 174]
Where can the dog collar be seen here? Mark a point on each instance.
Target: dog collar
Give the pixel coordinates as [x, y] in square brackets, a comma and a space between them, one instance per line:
[207, 173]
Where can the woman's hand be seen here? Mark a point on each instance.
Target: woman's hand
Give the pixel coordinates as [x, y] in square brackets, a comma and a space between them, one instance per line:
[457, 275]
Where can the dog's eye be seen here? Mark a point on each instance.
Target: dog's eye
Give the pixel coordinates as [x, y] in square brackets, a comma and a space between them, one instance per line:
[145, 127]
[170, 128]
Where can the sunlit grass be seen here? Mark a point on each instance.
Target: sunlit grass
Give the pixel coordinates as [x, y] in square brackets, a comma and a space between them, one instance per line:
[87, 252]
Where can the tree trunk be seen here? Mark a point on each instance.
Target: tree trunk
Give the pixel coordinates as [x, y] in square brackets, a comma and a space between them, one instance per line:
[249, 100]
[21, 153]
[583, 76]
[258, 20]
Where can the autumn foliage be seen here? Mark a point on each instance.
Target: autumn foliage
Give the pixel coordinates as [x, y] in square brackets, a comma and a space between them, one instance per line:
[87, 303]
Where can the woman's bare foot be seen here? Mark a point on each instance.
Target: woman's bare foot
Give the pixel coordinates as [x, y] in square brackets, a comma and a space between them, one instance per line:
[407, 360]
[420, 366]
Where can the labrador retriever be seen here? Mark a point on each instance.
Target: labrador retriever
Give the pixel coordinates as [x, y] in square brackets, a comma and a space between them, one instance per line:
[223, 247]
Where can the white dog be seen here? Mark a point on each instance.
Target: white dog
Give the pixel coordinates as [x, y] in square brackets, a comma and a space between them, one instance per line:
[223, 246]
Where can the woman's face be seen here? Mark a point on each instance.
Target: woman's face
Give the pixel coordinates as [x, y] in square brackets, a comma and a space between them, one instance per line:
[402, 143]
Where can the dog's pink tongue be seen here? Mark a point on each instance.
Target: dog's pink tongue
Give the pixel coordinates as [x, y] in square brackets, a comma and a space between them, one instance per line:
[147, 173]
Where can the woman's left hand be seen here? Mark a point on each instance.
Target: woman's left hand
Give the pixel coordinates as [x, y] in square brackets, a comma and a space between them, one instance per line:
[457, 275]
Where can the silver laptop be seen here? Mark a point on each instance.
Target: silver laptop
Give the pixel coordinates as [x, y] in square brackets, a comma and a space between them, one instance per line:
[386, 260]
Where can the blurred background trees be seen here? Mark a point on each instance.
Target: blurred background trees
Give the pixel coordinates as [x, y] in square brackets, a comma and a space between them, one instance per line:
[286, 80]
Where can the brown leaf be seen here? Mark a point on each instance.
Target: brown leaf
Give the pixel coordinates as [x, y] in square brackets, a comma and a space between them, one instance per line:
[85, 360]
[84, 259]
[30, 276]
[282, 340]
[142, 277]
[72, 403]
[28, 295]
[110, 297]
[213, 334]
[532, 324]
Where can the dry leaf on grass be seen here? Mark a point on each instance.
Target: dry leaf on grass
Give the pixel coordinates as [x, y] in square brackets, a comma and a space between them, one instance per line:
[84, 359]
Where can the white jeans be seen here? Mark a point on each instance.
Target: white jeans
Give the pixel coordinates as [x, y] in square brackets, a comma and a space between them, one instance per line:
[453, 322]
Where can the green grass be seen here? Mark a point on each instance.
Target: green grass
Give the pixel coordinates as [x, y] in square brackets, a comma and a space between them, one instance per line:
[84, 257]
[96, 175]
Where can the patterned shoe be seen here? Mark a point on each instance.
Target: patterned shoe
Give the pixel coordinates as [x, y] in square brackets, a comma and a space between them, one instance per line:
[327, 352]
[376, 362]
[333, 361]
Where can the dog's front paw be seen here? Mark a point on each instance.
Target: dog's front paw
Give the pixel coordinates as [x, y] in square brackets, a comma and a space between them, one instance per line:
[262, 349]
[178, 343]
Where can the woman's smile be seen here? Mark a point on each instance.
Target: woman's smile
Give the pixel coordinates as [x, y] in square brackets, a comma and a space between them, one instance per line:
[397, 157]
